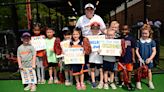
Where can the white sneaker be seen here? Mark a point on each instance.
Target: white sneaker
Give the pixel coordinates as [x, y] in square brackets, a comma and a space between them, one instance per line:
[106, 86]
[67, 83]
[100, 85]
[33, 88]
[27, 88]
[138, 85]
[151, 86]
[113, 86]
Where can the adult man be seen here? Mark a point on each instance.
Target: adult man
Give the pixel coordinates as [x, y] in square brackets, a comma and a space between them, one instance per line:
[89, 17]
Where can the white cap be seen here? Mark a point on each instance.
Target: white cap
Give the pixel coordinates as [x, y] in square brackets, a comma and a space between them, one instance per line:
[89, 5]
[65, 28]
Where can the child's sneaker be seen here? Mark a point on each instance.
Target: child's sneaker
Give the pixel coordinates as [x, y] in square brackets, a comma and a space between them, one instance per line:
[94, 85]
[50, 81]
[43, 82]
[27, 88]
[138, 85]
[106, 86]
[56, 81]
[121, 84]
[100, 86]
[33, 88]
[116, 80]
[67, 83]
[39, 81]
[151, 86]
[113, 86]
[83, 87]
[130, 87]
[78, 87]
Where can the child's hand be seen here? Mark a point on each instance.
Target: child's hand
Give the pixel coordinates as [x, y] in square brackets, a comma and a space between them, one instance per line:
[99, 51]
[148, 61]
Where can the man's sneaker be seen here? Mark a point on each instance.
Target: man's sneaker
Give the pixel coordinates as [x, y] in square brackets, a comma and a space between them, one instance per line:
[33, 88]
[27, 88]
[100, 85]
[106, 86]
[130, 87]
[113, 86]
[151, 86]
[138, 85]
[94, 85]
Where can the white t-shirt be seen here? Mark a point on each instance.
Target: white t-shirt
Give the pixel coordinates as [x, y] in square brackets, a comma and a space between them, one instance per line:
[84, 23]
[94, 57]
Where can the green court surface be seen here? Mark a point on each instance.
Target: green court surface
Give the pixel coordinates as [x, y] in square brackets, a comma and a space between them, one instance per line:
[16, 86]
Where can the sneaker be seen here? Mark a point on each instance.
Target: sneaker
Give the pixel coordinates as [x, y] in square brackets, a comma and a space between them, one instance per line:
[56, 81]
[138, 85]
[121, 84]
[94, 85]
[39, 81]
[100, 86]
[78, 87]
[106, 86]
[27, 88]
[43, 82]
[130, 87]
[67, 83]
[83, 86]
[50, 81]
[113, 86]
[33, 88]
[151, 86]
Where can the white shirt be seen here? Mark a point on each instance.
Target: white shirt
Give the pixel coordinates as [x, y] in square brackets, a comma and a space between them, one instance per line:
[94, 57]
[84, 23]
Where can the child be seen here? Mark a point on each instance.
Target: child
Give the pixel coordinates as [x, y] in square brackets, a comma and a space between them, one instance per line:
[94, 56]
[40, 57]
[26, 56]
[51, 55]
[129, 58]
[109, 63]
[146, 51]
[67, 68]
[79, 69]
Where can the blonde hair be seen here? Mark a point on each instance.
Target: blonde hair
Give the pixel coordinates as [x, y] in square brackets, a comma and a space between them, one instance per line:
[147, 27]
[114, 23]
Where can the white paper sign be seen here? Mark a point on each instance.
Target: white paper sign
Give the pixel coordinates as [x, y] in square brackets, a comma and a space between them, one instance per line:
[28, 75]
[74, 56]
[95, 41]
[38, 42]
[111, 47]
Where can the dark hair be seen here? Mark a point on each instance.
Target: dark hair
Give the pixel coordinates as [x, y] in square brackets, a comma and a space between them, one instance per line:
[78, 29]
[66, 32]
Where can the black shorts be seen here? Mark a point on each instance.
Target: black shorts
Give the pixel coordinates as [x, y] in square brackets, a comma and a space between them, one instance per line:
[52, 64]
[108, 66]
[98, 66]
[78, 67]
[86, 59]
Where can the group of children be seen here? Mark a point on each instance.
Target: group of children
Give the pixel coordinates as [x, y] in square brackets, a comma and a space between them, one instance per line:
[109, 66]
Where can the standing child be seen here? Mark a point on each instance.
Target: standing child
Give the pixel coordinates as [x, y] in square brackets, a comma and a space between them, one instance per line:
[129, 58]
[26, 56]
[109, 63]
[146, 51]
[78, 69]
[51, 43]
[67, 68]
[39, 57]
[94, 56]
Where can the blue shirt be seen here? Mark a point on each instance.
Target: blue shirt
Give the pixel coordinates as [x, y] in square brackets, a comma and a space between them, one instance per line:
[145, 48]
[129, 45]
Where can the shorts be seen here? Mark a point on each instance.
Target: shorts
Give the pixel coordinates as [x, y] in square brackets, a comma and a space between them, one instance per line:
[128, 66]
[137, 65]
[79, 69]
[52, 64]
[98, 66]
[39, 62]
[67, 67]
[108, 66]
[86, 59]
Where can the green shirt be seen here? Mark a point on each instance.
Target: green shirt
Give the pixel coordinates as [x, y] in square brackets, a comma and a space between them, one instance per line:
[51, 56]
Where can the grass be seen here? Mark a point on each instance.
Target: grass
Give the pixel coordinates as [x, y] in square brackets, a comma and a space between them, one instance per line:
[16, 86]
